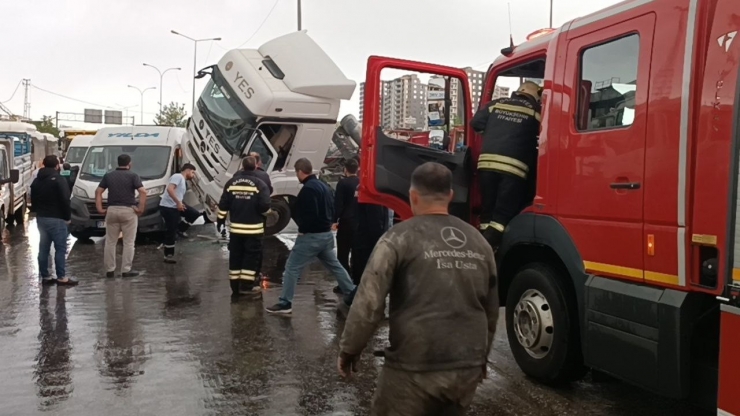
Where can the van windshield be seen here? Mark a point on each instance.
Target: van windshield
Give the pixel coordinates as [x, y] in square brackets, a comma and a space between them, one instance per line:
[149, 162]
[75, 154]
[225, 114]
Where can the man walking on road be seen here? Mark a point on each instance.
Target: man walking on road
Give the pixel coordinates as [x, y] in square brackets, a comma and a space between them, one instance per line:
[173, 209]
[50, 200]
[122, 214]
[345, 212]
[245, 200]
[441, 277]
[314, 212]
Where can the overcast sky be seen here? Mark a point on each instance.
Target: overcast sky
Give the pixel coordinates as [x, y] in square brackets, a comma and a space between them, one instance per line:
[90, 50]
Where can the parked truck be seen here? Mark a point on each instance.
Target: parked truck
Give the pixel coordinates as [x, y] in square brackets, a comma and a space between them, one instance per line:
[19, 154]
[628, 259]
[281, 101]
[8, 177]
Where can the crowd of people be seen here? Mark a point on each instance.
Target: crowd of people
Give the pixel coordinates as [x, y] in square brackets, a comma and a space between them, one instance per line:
[438, 271]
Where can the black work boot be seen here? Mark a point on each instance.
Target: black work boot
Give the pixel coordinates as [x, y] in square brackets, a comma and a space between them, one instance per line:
[234, 287]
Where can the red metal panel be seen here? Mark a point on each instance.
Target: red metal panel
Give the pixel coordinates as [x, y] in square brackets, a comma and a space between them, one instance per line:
[729, 361]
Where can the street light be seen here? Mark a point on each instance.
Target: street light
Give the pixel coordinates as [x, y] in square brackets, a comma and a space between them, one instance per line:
[142, 98]
[125, 108]
[161, 75]
[195, 55]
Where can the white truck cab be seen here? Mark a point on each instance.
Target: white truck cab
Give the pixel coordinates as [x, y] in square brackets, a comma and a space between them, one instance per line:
[281, 101]
[16, 137]
[155, 156]
[8, 177]
[78, 149]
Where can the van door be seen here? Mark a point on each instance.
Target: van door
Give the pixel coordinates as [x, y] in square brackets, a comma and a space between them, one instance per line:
[387, 162]
[601, 178]
[261, 145]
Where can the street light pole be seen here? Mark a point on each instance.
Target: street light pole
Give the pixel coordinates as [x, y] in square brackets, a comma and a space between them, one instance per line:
[195, 57]
[142, 98]
[551, 2]
[299, 16]
[161, 75]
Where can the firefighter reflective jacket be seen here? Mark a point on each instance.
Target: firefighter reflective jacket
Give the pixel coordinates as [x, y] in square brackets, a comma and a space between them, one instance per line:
[510, 128]
[245, 199]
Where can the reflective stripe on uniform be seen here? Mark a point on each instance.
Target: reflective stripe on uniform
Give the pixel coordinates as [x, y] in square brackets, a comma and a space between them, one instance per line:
[517, 109]
[502, 167]
[166, 246]
[222, 214]
[248, 275]
[234, 274]
[489, 157]
[260, 230]
[241, 188]
[492, 224]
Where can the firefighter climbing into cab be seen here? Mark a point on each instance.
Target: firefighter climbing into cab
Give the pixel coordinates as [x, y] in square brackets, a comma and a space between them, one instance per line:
[506, 167]
[245, 199]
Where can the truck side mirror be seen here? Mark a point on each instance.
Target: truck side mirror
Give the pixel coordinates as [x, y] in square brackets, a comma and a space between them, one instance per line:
[15, 175]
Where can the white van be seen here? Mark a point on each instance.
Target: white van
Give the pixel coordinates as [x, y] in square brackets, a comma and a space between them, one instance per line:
[78, 149]
[155, 155]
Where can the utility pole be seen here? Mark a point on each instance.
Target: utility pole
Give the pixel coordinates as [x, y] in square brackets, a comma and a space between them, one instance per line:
[161, 75]
[300, 26]
[26, 99]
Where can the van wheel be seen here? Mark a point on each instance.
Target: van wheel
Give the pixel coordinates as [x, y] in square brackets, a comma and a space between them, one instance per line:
[20, 214]
[542, 326]
[279, 218]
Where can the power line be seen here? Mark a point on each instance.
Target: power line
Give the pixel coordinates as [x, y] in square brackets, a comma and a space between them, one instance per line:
[261, 24]
[70, 98]
[14, 91]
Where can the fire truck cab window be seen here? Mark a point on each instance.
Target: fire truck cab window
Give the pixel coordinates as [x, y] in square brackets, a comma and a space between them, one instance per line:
[608, 85]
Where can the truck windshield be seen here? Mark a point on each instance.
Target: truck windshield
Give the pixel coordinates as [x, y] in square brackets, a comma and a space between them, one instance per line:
[75, 154]
[227, 116]
[149, 162]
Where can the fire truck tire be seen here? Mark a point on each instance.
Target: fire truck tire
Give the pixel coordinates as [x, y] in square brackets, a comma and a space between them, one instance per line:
[279, 218]
[542, 325]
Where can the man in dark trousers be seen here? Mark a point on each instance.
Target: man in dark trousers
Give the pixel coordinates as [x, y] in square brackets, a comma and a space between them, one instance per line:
[245, 200]
[441, 276]
[345, 213]
[265, 177]
[173, 209]
[50, 200]
[313, 212]
[510, 128]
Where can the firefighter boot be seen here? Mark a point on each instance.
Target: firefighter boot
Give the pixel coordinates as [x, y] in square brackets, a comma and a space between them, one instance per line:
[234, 287]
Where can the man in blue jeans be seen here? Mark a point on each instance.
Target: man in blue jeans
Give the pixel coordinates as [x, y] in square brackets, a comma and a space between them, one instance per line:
[314, 214]
[50, 200]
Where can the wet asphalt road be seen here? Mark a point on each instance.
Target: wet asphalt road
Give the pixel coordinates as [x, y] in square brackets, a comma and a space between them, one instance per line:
[171, 342]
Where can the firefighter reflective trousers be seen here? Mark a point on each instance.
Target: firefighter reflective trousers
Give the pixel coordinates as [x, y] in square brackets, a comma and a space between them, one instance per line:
[502, 197]
[245, 252]
[434, 393]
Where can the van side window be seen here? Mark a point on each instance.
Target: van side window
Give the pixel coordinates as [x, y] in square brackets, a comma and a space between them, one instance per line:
[608, 84]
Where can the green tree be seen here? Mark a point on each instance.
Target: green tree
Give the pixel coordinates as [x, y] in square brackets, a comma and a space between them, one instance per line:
[173, 114]
[46, 125]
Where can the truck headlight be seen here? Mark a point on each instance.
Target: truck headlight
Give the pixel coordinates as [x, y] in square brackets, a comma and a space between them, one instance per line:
[155, 190]
[80, 192]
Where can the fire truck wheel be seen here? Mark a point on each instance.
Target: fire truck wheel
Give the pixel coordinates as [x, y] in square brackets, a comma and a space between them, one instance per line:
[279, 218]
[542, 326]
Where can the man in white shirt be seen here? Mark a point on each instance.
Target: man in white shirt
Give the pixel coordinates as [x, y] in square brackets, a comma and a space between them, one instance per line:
[173, 209]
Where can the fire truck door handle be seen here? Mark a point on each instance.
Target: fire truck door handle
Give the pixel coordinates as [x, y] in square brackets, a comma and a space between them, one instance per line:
[630, 186]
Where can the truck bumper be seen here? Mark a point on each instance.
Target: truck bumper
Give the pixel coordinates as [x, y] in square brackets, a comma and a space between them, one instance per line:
[86, 220]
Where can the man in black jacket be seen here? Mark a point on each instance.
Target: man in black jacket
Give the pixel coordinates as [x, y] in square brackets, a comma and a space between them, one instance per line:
[245, 200]
[510, 128]
[345, 213]
[50, 200]
[313, 212]
[260, 172]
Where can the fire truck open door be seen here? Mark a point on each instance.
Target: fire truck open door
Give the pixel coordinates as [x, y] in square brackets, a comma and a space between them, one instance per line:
[387, 163]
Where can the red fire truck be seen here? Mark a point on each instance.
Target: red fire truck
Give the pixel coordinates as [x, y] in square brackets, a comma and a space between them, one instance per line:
[628, 259]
